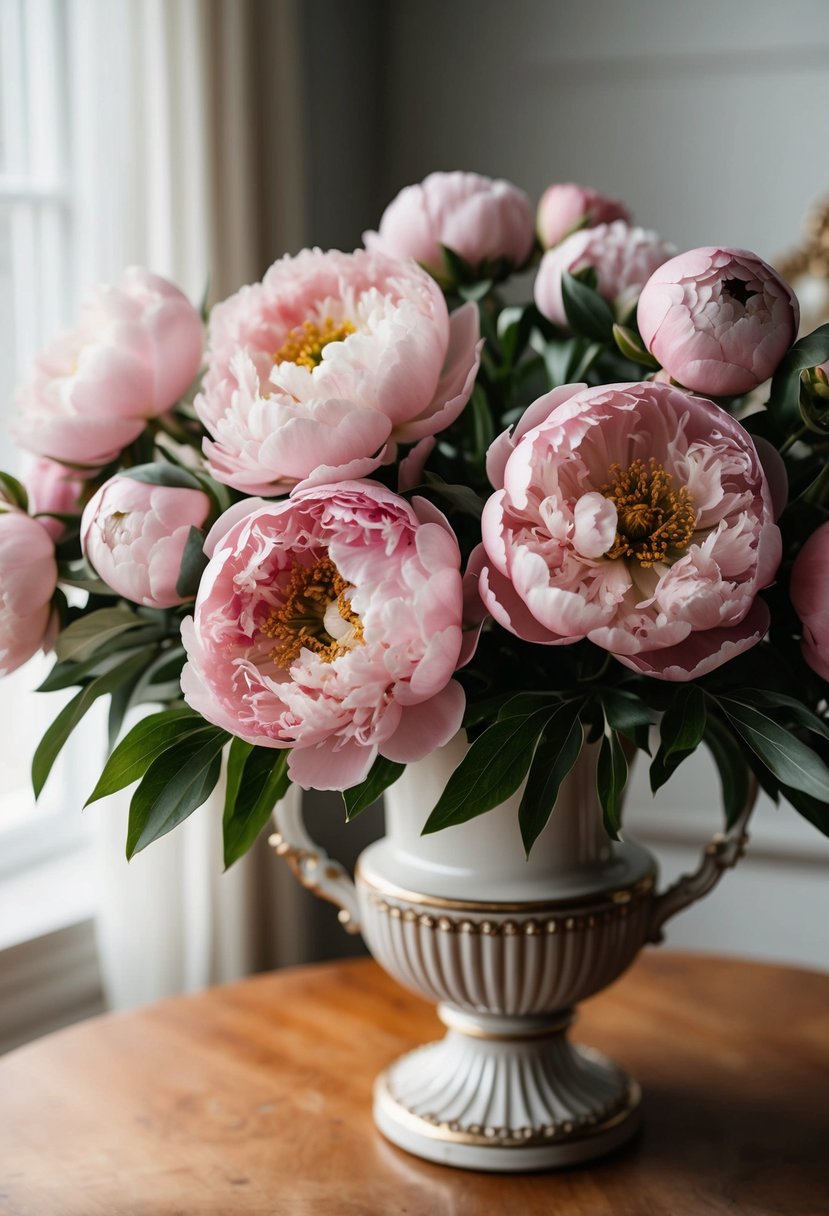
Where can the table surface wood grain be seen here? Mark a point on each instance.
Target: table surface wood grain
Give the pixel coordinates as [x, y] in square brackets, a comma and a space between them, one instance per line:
[255, 1098]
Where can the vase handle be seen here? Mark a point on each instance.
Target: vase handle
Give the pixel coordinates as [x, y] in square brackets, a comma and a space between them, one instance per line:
[722, 852]
[311, 864]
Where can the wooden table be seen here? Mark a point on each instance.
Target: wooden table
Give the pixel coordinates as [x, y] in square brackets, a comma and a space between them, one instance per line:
[255, 1098]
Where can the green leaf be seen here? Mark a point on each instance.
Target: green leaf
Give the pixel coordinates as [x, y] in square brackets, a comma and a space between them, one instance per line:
[161, 473]
[759, 698]
[587, 313]
[490, 772]
[475, 291]
[382, 774]
[630, 345]
[55, 737]
[784, 399]
[147, 740]
[67, 673]
[558, 359]
[816, 811]
[177, 781]
[557, 752]
[262, 781]
[525, 703]
[611, 778]
[680, 731]
[193, 563]
[14, 490]
[462, 498]
[628, 714]
[791, 762]
[731, 767]
[88, 633]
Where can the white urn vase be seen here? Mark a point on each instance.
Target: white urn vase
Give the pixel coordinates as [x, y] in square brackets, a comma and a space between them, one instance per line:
[507, 946]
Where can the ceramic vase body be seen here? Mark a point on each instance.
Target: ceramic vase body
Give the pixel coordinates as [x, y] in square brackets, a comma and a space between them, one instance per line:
[507, 947]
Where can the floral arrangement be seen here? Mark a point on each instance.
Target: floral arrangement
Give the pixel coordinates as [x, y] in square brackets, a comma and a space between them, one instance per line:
[377, 504]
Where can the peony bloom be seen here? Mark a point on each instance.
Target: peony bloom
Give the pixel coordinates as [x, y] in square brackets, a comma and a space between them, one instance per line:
[810, 597]
[28, 577]
[136, 349]
[718, 320]
[320, 369]
[482, 220]
[564, 207]
[53, 490]
[330, 623]
[624, 258]
[634, 515]
[134, 533]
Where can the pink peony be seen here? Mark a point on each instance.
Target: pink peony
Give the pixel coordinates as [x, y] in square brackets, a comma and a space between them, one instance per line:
[634, 515]
[28, 577]
[330, 623]
[134, 533]
[136, 349]
[718, 320]
[324, 366]
[482, 220]
[810, 597]
[565, 207]
[53, 490]
[623, 257]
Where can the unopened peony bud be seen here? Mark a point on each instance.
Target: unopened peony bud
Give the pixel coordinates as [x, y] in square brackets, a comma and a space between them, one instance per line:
[28, 577]
[482, 220]
[134, 535]
[718, 320]
[565, 206]
[810, 597]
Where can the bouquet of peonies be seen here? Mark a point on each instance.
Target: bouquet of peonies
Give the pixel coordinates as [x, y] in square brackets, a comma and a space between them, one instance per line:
[380, 504]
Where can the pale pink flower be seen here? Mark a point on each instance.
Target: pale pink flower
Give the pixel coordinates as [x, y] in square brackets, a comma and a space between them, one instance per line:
[135, 350]
[482, 220]
[624, 258]
[565, 206]
[134, 533]
[718, 320]
[323, 367]
[636, 516]
[810, 596]
[28, 578]
[53, 490]
[330, 623]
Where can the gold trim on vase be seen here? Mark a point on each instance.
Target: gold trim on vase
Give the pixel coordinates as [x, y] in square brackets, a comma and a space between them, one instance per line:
[604, 906]
[567, 1131]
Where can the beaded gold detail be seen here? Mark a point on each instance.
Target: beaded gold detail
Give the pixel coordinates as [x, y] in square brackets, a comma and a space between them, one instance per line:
[316, 613]
[655, 522]
[305, 343]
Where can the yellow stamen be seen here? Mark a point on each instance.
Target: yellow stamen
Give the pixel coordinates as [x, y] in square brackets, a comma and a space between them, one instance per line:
[313, 592]
[655, 522]
[304, 344]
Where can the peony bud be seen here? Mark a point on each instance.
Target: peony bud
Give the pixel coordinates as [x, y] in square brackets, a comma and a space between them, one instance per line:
[565, 206]
[718, 320]
[623, 258]
[134, 534]
[810, 597]
[481, 220]
[28, 577]
[53, 490]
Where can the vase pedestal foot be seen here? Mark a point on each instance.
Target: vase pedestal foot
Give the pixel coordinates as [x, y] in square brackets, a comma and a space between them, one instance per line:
[506, 1094]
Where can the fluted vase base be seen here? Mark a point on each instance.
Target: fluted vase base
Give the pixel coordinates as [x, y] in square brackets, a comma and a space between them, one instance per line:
[506, 1094]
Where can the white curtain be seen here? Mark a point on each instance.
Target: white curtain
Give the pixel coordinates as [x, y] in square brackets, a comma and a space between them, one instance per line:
[168, 147]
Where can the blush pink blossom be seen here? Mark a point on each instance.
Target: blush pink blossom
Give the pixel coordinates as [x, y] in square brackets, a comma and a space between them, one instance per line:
[53, 490]
[134, 533]
[136, 348]
[28, 578]
[810, 597]
[624, 258]
[330, 623]
[323, 367]
[482, 220]
[636, 516]
[565, 206]
[718, 320]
